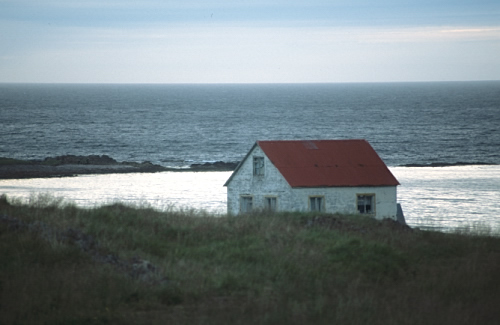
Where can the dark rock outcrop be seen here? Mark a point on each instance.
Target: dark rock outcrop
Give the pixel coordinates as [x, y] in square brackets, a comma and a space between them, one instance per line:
[218, 165]
[444, 164]
[79, 160]
[71, 165]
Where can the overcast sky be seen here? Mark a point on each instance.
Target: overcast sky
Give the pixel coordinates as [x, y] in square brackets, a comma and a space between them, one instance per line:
[242, 41]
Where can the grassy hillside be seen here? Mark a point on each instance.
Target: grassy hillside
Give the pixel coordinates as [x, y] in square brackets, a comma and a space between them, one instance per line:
[117, 264]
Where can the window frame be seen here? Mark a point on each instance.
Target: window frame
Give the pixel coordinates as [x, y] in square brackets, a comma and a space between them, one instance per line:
[244, 198]
[322, 203]
[258, 166]
[372, 202]
[269, 207]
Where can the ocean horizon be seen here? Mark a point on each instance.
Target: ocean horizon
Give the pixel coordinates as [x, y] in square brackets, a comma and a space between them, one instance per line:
[177, 124]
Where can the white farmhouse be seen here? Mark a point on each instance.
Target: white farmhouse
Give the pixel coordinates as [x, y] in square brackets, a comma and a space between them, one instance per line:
[345, 176]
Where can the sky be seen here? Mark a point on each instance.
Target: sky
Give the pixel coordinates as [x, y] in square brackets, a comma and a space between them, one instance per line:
[243, 41]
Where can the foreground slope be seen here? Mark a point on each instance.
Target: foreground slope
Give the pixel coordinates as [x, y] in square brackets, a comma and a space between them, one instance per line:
[131, 265]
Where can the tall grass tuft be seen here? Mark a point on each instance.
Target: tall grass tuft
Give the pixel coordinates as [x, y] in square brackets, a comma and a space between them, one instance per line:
[284, 268]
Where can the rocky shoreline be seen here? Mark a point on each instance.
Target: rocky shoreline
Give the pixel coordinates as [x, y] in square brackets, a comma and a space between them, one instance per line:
[443, 164]
[71, 165]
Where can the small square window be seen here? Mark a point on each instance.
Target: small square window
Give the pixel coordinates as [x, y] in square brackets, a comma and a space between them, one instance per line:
[366, 203]
[258, 166]
[316, 203]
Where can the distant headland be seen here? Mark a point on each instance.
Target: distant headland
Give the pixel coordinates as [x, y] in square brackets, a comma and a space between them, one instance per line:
[443, 164]
[72, 165]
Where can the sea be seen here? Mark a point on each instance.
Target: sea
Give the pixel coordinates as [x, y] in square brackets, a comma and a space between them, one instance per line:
[176, 125]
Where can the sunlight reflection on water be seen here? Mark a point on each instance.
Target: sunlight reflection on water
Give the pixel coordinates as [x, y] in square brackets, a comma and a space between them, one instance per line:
[202, 190]
[440, 197]
[450, 197]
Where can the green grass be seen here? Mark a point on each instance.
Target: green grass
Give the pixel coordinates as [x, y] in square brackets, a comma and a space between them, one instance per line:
[284, 268]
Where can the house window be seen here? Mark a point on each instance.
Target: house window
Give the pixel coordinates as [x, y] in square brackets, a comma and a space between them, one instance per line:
[258, 166]
[316, 203]
[246, 203]
[270, 203]
[366, 203]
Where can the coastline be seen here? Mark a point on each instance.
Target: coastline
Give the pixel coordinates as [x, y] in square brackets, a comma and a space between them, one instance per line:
[70, 166]
[443, 164]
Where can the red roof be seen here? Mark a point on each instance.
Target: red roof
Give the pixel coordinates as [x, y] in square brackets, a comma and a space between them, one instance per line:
[328, 163]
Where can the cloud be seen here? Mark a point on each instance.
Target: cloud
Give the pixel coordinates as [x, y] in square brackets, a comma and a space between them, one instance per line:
[310, 13]
[238, 53]
[247, 41]
[431, 34]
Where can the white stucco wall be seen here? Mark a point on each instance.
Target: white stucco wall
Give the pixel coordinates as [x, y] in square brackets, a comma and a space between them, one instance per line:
[336, 199]
[245, 183]
[344, 199]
